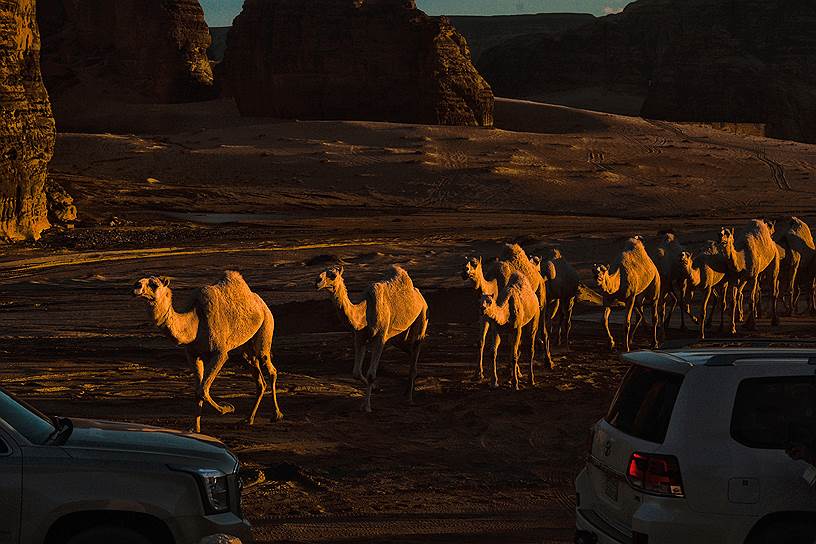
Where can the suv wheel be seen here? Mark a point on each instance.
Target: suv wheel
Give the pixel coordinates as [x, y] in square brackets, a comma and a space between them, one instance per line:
[789, 532]
[108, 534]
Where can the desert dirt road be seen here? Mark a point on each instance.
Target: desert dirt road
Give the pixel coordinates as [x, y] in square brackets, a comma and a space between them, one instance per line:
[279, 201]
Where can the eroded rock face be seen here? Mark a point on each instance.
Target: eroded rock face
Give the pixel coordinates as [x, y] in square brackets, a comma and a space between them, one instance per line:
[379, 60]
[125, 50]
[718, 61]
[26, 125]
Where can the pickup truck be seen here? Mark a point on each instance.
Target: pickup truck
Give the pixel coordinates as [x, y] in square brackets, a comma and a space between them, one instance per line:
[80, 481]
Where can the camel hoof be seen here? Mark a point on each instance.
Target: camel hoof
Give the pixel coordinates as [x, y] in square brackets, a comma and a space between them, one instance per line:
[495, 384]
[227, 409]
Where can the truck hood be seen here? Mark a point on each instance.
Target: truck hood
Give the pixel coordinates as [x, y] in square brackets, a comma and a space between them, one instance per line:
[124, 439]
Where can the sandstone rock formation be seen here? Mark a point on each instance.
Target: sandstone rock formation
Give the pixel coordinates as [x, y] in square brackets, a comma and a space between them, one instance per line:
[124, 51]
[716, 61]
[379, 60]
[26, 125]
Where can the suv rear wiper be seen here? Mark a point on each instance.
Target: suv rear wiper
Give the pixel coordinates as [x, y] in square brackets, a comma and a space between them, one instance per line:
[62, 430]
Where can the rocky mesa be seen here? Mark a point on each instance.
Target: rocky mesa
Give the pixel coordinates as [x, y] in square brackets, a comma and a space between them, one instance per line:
[381, 60]
[716, 61]
[26, 124]
[126, 51]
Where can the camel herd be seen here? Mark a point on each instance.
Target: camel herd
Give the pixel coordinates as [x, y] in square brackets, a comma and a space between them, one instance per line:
[521, 298]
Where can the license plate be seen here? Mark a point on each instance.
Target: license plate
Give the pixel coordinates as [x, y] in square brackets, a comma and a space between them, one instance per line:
[611, 488]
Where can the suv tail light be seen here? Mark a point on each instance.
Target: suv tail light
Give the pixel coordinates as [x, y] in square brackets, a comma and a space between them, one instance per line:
[657, 474]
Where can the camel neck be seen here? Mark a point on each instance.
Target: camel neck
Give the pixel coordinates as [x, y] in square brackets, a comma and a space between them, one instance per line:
[181, 327]
[693, 274]
[484, 286]
[353, 313]
[612, 283]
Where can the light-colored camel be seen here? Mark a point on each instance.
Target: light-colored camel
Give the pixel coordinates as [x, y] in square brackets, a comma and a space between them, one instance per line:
[748, 257]
[218, 319]
[667, 261]
[518, 261]
[634, 280]
[799, 263]
[392, 310]
[473, 272]
[563, 284]
[705, 273]
[515, 308]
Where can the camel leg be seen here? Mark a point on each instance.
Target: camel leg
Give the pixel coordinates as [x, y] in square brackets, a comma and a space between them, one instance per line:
[545, 335]
[791, 285]
[377, 346]
[750, 324]
[774, 292]
[272, 372]
[570, 305]
[734, 303]
[516, 349]
[260, 388]
[198, 368]
[607, 311]
[496, 342]
[630, 306]
[553, 314]
[359, 355]
[639, 311]
[485, 327]
[656, 324]
[703, 312]
[415, 348]
[216, 364]
[533, 331]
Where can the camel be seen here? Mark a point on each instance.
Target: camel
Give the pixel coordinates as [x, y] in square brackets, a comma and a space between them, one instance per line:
[392, 310]
[218, 319]
[518, 261]
[706, 272]
[747, 258]
[633, 279]
[800, 263]
[667, 258]
[516, 307]
[562, 290]
[474, 272]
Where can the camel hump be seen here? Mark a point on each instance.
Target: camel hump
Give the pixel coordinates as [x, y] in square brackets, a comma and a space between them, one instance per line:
[549, 270]
[395, 281]
[232, 284]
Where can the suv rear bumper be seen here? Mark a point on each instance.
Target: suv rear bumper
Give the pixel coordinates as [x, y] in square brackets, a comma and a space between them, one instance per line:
[194, 529]
[664, 520]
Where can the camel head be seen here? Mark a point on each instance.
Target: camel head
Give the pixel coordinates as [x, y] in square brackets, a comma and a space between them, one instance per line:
[771, 224]
[153, 288]
[601, 273]
[330, 279]
[536, 262]
[553, 254]
[726, 236]
[685, 260]
[472, 269]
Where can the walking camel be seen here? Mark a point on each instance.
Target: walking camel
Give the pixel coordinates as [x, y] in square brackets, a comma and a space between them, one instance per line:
[515, 309]
[563, 284]
[392, 310]
[633, 279]
[706, 272]
[474, 273]
[800, 251]
[666, 260]
[747, 258]
[218, 319]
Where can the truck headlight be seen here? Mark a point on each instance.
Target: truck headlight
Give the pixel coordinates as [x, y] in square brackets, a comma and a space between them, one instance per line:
[214, 488]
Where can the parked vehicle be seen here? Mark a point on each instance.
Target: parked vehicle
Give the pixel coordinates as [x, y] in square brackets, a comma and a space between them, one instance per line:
[81, 481]
[693, 451]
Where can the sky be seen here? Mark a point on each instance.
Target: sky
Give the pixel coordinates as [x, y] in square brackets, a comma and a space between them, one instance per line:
[221, 12]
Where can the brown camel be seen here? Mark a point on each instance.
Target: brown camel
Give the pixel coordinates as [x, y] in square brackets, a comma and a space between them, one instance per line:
[706, 273]
[394, 311]
[218, 319]
[634, 280]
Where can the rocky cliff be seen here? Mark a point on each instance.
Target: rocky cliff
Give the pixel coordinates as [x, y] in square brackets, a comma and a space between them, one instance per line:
[719, 61]
[353, 59]
[124, 51]
[26, 125]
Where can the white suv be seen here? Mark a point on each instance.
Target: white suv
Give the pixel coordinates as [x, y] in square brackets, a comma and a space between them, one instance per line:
[693, 451]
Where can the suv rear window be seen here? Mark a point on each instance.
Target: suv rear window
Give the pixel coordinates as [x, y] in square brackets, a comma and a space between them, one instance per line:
[775, 413]
[644, 402]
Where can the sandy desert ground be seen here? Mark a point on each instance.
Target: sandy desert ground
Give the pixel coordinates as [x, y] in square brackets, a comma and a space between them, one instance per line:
[188, 191]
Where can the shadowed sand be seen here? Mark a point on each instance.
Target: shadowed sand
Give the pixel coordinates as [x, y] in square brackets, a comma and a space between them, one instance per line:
[189, 191]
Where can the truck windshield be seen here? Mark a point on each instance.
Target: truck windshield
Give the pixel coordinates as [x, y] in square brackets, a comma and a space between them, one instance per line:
[27, 421]
[643, 405]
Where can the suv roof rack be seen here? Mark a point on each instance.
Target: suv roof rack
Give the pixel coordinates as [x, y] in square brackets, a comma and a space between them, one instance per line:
[728, 359]
[740, 342]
